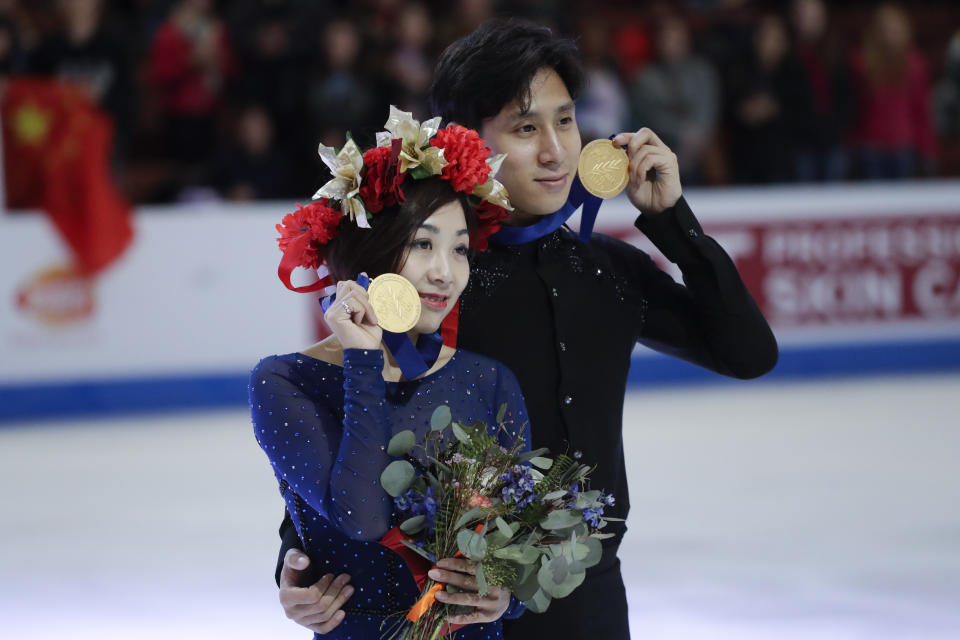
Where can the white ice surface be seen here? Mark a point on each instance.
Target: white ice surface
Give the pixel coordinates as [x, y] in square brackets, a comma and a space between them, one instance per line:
[826, 511]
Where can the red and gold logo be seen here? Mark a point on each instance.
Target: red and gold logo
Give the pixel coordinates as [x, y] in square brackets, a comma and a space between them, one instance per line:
[56, 296]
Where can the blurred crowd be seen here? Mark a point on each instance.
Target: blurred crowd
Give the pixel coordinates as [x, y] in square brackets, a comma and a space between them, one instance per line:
[229, 99]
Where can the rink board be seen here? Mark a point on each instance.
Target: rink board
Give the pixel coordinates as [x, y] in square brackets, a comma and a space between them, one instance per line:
[861, 280]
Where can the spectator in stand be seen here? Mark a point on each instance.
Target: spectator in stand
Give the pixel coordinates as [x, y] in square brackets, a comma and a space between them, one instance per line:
[895, 129]
[947, 104]
[83, 51]
[678, 96]
[410, 65]
[341, 96]
[11, 56]
[191, 63]
[768, 106]
[252, 167]
[273, 72]
[822, 154]
[603, 107]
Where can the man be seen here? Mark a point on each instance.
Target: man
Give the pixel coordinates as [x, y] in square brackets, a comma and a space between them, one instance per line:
[565, 315]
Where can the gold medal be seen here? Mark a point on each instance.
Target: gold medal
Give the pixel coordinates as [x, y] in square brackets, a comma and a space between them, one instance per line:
[603, 168]
[395, 301]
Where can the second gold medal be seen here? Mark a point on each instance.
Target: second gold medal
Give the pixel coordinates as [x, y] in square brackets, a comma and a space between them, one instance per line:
[395, 301]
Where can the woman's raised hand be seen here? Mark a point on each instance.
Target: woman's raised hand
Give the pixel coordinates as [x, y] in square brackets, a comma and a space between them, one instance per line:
[352, 319]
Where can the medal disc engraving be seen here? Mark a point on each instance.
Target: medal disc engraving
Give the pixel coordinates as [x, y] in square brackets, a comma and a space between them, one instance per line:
[603, 168]
[395, 301]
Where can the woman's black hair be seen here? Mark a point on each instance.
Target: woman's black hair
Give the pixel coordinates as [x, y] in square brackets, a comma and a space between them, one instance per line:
[493, 66]
[382, 248]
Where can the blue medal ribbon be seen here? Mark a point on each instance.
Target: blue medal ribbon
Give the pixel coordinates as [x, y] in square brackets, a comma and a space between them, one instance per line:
[551, 222]
[413, 360]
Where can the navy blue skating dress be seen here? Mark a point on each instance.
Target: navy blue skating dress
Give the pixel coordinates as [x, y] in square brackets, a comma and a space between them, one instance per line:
[325, 430]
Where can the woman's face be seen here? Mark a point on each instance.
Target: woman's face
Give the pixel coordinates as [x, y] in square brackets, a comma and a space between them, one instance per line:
[436, 263]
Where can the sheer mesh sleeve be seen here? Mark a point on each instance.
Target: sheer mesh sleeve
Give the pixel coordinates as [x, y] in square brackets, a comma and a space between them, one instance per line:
[516, 423]
[327, 441]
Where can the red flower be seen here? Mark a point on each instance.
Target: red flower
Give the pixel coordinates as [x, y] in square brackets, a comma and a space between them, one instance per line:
[381, 179]
[307, 230]
[489, 220]
[466, 154]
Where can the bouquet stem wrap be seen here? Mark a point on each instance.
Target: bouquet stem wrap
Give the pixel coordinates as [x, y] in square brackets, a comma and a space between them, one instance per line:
[427, 599]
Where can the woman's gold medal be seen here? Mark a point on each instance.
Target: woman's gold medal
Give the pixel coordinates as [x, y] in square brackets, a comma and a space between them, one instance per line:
[603, 168]
[395, 301]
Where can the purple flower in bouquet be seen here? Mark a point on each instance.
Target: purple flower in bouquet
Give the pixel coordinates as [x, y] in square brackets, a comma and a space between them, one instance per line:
[592, 515]
[517, 487]
[407, 502]
[430, 509]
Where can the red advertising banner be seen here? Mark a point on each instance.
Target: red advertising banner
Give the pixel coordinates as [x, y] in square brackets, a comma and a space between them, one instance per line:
[823, 272]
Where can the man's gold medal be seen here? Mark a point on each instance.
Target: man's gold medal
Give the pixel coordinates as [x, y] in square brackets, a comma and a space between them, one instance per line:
[603, 168]
[395, 301]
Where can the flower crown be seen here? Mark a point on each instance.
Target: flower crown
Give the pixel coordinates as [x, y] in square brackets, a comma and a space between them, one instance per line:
[365, 184]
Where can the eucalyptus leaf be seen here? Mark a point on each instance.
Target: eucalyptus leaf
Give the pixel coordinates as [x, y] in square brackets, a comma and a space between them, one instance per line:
[559, 569]
[528, 455]
[413, 525]
[504, 527]
[471, 544]
[561, 519]
[601, 536]
[481, 580]
[516, 553]
[441, 418]
[397, 477]
[501, 413]
[588, 499]
[541, 463]
[594, 552]
[528, 584]
[559, 589]
[401, 443]
[555, 495]
[539, 602]
[460, 434]
[496, 539]
[474, 513]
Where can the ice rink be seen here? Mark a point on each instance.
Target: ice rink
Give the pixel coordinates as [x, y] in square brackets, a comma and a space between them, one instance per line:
[826, 511]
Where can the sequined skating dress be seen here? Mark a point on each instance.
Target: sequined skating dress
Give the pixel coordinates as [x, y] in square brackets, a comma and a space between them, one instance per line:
[325, 429]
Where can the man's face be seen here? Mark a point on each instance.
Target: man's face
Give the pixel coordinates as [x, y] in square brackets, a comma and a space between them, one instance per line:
[542, 147]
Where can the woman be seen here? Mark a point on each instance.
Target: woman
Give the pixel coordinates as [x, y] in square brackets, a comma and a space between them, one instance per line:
[894, 136]
[325, 415]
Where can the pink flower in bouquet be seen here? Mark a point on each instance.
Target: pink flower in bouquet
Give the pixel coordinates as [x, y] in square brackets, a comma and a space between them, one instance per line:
[478, 500]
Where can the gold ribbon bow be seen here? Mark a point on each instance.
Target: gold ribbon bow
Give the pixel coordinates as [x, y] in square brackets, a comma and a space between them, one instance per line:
[345, 167]
[416, 150]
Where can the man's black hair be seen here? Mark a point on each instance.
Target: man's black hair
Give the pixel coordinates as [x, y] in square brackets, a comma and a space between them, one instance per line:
[493, 66]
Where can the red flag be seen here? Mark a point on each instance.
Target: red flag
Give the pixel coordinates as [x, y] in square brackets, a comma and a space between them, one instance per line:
[57, 147]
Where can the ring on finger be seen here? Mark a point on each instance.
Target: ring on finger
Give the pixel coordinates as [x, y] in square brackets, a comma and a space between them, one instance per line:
[346, 308]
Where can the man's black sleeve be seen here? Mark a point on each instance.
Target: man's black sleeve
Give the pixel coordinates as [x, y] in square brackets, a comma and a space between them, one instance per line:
[712, 321]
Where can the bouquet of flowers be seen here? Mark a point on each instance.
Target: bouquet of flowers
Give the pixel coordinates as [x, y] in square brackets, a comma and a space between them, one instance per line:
[526, 519]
